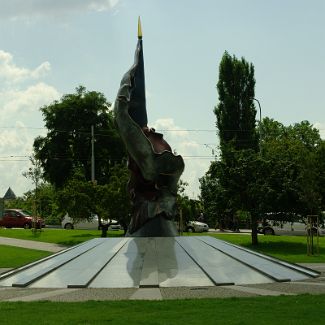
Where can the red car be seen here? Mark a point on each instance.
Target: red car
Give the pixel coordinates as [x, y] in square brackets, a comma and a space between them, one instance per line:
[17, 218]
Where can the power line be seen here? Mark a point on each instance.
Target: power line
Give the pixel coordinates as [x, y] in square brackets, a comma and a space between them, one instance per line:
[14, 158]
[158, 130]
[7, 160]
[87, 132]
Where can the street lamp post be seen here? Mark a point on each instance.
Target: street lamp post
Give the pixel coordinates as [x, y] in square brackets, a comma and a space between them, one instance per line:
[259, 106]
[260, 128]
[254, 218]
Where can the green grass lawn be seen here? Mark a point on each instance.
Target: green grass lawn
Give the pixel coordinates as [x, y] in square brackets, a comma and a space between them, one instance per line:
[303, 309]
[16, 256]
[289, 248]
[58, 236]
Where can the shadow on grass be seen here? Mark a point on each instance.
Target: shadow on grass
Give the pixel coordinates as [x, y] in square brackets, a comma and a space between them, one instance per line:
[36, 233]
[80, 238]
[289, 248]
[84, 235]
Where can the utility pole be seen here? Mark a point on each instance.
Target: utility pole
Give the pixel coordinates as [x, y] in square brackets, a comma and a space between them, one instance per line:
[92, 155]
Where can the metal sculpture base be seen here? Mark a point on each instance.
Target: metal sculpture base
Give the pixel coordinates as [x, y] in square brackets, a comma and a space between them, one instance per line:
[188, 261]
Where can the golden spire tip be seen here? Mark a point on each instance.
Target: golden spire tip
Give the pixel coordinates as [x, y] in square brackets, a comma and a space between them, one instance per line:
[139, 28]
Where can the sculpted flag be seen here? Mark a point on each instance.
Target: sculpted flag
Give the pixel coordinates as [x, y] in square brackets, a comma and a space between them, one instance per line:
[155, 170]
[136, 79]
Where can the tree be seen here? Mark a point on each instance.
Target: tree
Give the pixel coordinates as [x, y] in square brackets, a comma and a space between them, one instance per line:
[213, 197]
[78, 197]
[35, 174]
[285, 180]
[292, 181]
[113, 198]
[320, 163]
[190, 208]
[67, 145]
[238, 136]
[82, 198]
[47, 205]
[236, 111]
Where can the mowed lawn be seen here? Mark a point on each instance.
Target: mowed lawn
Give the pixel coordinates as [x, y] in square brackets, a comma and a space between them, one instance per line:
[289, 248]
[11, 257]
[303, 309]
[57, 236]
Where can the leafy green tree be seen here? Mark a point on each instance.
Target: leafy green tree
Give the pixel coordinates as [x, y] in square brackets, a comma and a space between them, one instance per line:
[212, 198]
[67, 145]
[235, 111]
[113, 198]
[286, 179]
[78, 197]
[282, 177]
[82, 198]
[47, 204]
[46, 201]
[189, 208]
[305, 133]
[320, 163]
[236, 125]
[271, 130]
[292, 182]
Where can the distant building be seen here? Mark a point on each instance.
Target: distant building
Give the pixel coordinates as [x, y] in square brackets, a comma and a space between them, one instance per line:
[10, 195]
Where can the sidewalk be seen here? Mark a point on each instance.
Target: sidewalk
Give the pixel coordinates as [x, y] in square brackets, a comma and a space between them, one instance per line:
[54, 248]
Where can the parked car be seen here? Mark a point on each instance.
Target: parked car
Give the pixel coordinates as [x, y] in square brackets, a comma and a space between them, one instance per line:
[194, 226]
[272, 227]
[18, 218]
[69, 223]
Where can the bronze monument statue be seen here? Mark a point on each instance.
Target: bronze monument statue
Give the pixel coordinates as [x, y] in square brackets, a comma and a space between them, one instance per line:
[155, 170]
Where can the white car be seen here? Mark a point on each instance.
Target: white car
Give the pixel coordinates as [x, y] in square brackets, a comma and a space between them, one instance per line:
[68, 223]
[194, 226]
[285, 228]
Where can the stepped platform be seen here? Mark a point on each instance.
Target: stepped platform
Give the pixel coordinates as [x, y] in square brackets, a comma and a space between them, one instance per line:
[153, 262]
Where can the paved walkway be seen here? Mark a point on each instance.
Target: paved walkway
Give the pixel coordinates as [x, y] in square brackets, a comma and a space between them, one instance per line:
[312, 286]
[54, 248]
[315, 286]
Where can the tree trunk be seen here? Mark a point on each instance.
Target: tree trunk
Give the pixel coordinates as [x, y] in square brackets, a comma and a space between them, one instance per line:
[254, 231]
[104, 230]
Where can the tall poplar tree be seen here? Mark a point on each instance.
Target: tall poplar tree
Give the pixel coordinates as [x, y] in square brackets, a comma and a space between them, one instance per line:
[236, 111]
[236, 123]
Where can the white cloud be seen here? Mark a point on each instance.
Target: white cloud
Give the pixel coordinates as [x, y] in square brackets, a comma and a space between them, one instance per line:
[24, 102]
[11, 74]
[173, 130]
[196, 158]
[321, 128]
[17, 9]
[21, 120]
[16, 147]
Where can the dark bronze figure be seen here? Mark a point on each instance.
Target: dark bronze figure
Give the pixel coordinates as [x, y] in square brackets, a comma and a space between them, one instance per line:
[155, 170]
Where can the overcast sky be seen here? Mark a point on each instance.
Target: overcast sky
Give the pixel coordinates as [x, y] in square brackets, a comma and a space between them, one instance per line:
[49, 47]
